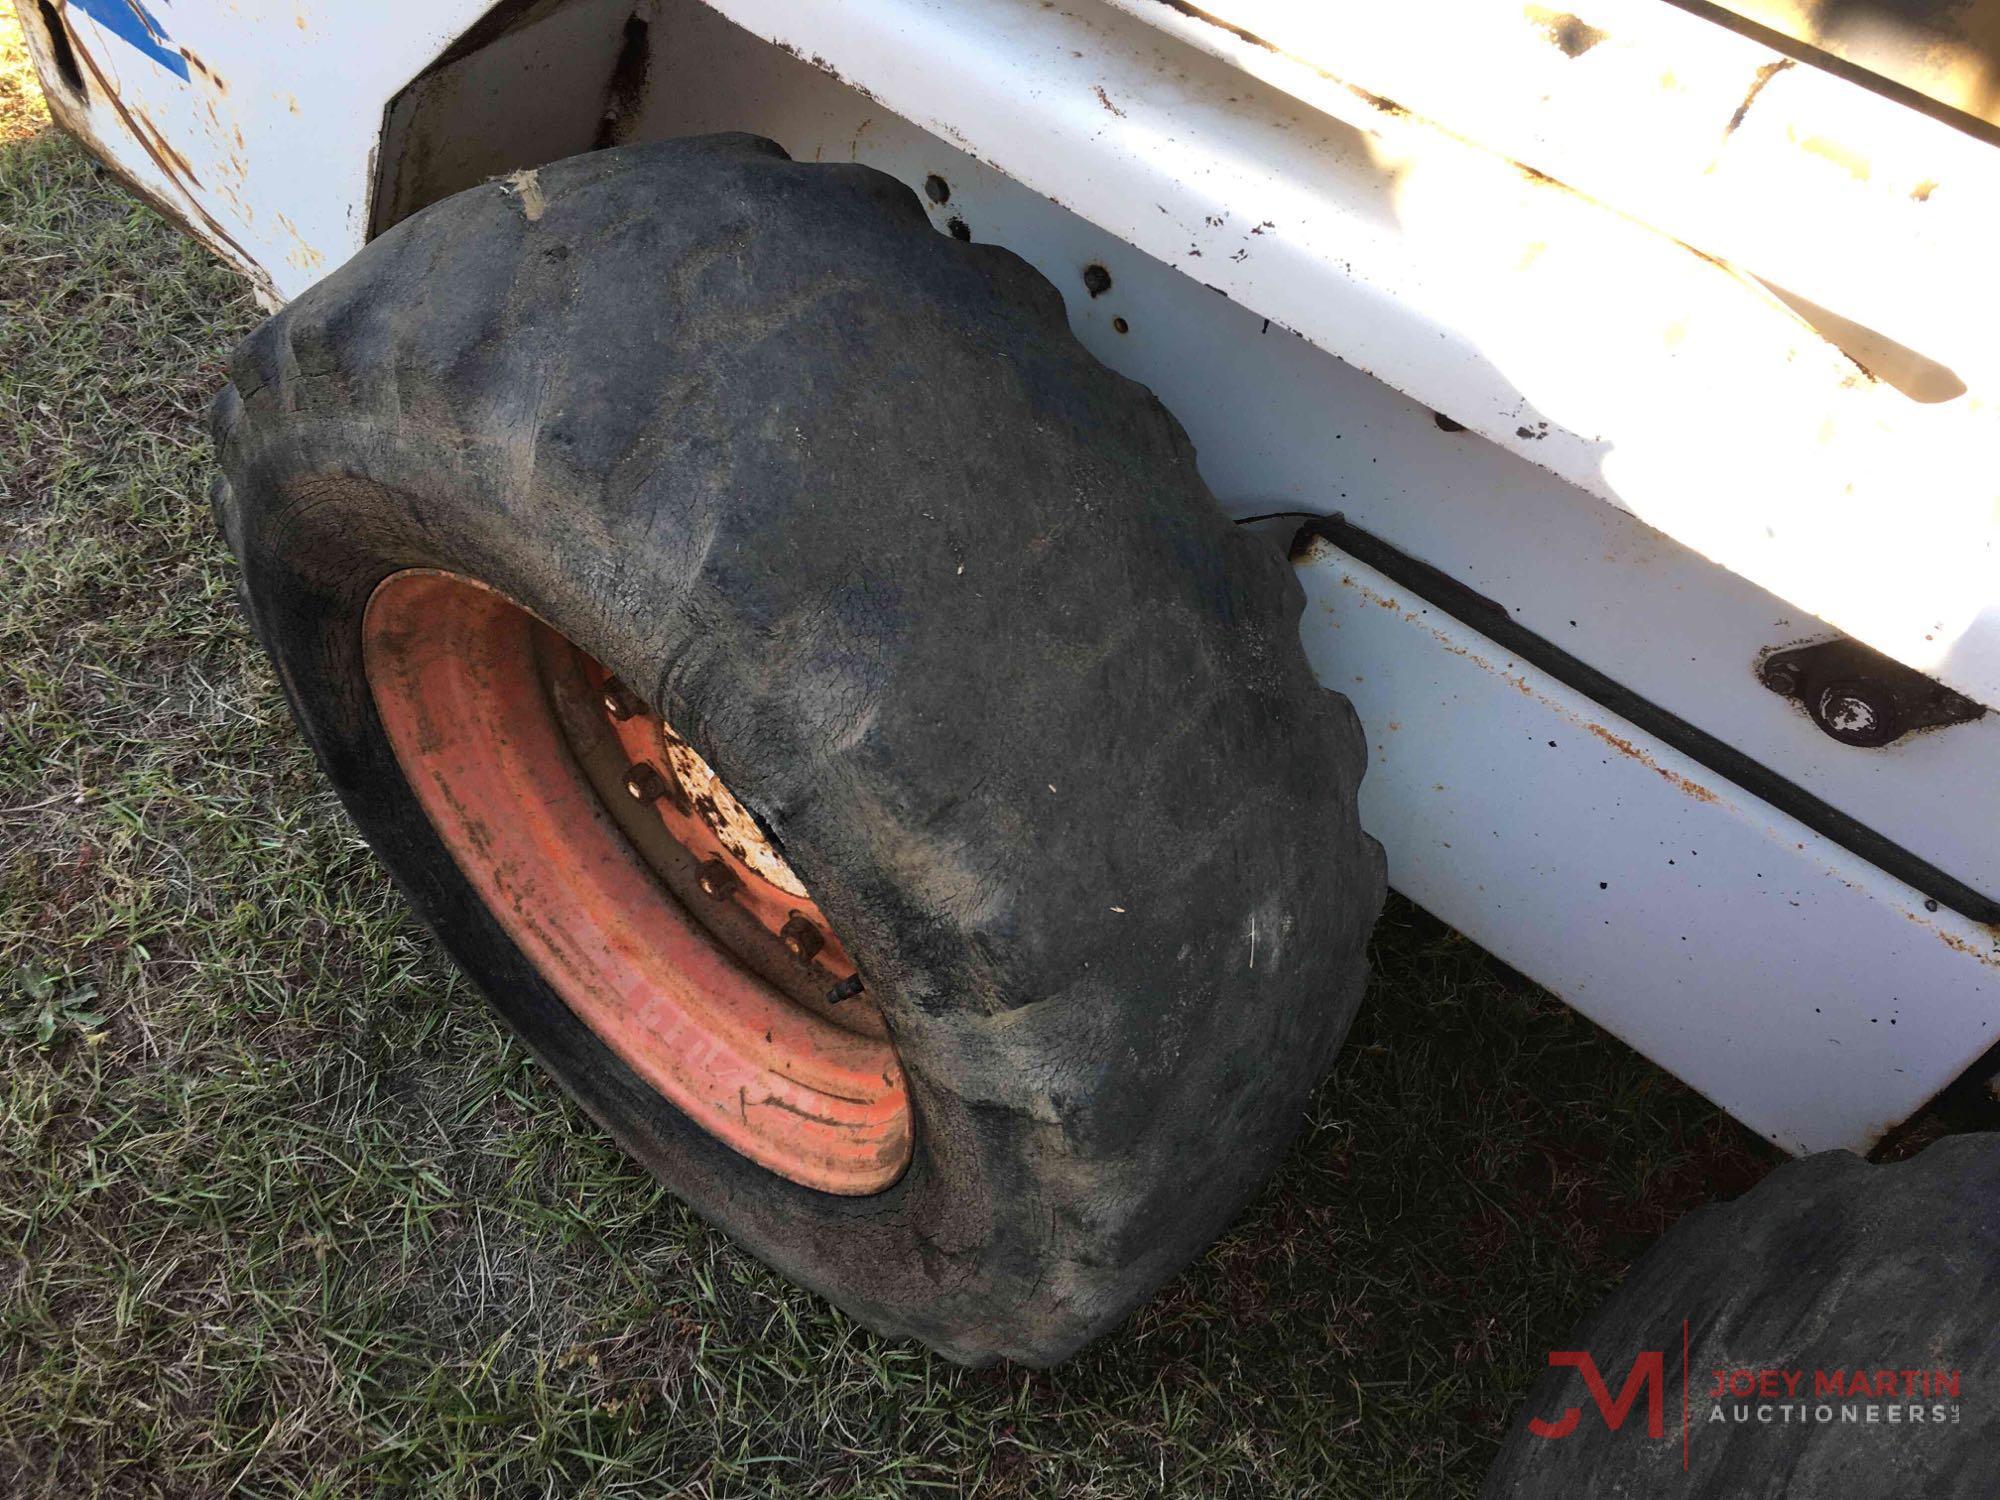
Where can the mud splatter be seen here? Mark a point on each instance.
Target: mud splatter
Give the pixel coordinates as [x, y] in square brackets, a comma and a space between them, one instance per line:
[527, 186]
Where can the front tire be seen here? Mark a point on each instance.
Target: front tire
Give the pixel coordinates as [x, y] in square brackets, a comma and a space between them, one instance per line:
[945, 604]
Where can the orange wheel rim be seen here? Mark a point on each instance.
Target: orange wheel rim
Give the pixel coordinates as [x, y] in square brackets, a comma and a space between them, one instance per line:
[636, 883]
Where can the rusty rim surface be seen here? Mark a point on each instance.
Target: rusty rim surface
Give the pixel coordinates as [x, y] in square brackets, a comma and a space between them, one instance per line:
[646, 895]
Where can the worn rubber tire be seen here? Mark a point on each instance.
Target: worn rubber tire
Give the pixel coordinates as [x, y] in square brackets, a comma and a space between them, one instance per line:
[1829, 1264]
[942, 598]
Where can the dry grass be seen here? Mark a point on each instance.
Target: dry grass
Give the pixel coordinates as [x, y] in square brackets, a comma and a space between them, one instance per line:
[22, 112]
[282, 1211]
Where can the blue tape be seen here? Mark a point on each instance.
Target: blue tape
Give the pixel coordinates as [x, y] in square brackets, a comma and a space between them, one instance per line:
[130, 21]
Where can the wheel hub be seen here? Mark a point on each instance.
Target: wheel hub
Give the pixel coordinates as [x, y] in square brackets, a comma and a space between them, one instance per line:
[639, 886]
[739, 861]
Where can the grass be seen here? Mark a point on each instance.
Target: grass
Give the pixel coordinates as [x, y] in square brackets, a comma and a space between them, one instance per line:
[282, 1211]
[22, 112]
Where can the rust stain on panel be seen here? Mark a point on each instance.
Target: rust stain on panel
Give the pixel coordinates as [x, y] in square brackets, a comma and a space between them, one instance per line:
[1843, 156]
[171, 166]
[162, 145]
[305, 257]
[1990, 956]
[1377, 102]
[1572, 35]
[139, 14]
[1765, 74]
[1623, 746]
[1686, 785]
[202, 68]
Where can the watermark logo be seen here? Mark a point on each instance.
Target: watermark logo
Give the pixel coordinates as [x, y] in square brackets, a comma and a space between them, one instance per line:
[1648, 1375]
[1786, 1396]
[1745, 1395]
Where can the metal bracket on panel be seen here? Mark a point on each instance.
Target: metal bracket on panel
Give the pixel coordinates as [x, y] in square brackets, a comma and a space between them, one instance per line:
[1861, 697]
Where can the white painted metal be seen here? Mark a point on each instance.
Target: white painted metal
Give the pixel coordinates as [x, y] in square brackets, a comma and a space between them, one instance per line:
[1483, 295]
[1862, 205]
[1281, 425]
[1801, 989]
[266, 148]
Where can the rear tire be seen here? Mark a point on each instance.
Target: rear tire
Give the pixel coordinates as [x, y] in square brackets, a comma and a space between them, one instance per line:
[1830, 1267]
[941, 599]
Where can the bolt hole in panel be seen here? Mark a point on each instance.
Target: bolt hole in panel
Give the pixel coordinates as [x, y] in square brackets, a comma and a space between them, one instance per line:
[1280, 425]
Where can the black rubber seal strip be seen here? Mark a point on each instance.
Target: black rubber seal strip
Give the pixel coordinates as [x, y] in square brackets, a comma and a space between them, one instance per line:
[1491, 620]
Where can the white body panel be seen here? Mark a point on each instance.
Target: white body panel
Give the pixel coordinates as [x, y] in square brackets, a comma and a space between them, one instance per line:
[1679, 123]
[1638, 370]
[263, 141]
[1816, 997]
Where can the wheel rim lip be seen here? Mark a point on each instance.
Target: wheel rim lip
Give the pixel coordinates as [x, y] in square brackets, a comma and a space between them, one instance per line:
[451, 666]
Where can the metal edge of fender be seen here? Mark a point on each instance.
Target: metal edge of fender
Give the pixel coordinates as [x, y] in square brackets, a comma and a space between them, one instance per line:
[1928, 67]
[1490, 619]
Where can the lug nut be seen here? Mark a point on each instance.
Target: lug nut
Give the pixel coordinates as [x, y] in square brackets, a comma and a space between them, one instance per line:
[645, 783]
[619, 701]
[717, 879]
[847, 989]
[801, 937]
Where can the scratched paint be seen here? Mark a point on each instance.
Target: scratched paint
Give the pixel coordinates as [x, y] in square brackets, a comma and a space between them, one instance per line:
[131, 22]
